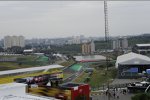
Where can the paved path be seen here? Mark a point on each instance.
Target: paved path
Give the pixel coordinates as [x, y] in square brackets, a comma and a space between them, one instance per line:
[104, 97]
[123, 81]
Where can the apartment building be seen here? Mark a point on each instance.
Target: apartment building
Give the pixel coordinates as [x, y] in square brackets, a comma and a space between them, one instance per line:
[88, 48]
[10, 41]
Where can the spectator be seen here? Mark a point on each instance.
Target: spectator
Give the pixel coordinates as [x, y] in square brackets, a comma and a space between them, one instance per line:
[117, 94]
[124, 91]
[114, 92]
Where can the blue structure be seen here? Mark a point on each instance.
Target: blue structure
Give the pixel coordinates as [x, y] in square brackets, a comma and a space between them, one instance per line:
[148, 71]
[133, 70]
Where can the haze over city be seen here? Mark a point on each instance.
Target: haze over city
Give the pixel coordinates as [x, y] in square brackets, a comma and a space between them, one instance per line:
[52, 19]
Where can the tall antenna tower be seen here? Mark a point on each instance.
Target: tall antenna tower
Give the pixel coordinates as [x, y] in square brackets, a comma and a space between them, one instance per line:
[106, 40]
[106, 32]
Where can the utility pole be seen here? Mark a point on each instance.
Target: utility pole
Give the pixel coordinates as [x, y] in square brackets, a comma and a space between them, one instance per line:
[106, 42]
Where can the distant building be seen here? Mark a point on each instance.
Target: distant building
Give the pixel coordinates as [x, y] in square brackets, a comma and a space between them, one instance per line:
[74, 40]
[88, 48]
[141, 48]
[21, 41]
[28, 51]
[120, 44]
[7, 42]
[92, 47]
[10, 41]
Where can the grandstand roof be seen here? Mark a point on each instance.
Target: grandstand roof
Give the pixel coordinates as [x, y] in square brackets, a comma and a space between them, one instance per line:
[30, 69]
[89, 58]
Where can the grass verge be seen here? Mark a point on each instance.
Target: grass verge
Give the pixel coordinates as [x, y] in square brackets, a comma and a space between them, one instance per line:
[98, 78]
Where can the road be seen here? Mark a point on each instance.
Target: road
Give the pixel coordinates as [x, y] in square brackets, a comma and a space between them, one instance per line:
[124, 81]
[72, 77]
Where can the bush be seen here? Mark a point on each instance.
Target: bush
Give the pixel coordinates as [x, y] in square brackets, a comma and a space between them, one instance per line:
[141, 96]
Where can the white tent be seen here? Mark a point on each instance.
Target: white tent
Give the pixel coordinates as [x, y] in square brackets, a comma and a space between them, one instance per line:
[131, 56]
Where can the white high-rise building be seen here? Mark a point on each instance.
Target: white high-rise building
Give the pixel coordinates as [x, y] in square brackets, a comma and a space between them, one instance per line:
[15, 41]
[21, 41]
[7, 42]
[116, 44]
[76, 40]
[92, 47]
[121, 43]
[125, 43]
[10, 41]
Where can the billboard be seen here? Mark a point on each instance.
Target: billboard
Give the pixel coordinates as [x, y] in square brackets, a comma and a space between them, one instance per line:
[50, 92]
[67, 91]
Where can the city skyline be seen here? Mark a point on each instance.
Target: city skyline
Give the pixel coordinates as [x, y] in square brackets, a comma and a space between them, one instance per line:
[54, 19]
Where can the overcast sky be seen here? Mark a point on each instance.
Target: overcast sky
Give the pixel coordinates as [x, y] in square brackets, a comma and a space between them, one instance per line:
[51, 19]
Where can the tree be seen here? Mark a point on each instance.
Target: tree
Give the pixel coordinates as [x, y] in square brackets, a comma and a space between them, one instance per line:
[16, 50]
[28, 47]
[1, 49]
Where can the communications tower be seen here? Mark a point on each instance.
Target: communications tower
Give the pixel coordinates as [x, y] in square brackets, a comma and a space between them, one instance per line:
[106, 40]
[106, 32]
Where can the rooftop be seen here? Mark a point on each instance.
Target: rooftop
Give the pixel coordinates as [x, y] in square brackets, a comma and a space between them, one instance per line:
[17, 91]
[90, 58]
[25, 97]
[30, 69]
[142, 45]
[28, 50]
[11, 85]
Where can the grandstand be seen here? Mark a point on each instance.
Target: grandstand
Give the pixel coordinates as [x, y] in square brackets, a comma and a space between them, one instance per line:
[42, 58]
[76, 67]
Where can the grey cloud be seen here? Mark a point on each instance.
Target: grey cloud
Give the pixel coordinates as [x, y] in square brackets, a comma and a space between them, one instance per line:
[67, 18]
